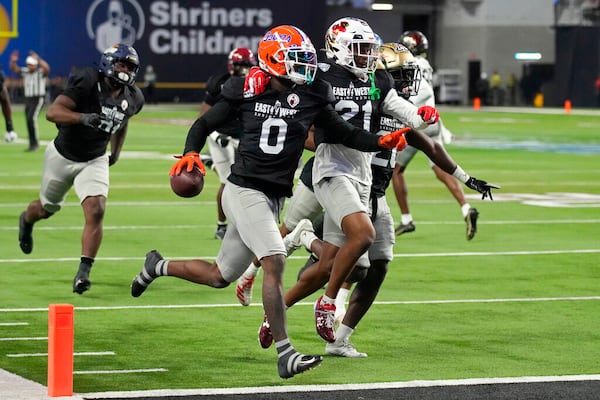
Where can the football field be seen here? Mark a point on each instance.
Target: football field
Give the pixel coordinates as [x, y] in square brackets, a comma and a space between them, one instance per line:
[522, 299]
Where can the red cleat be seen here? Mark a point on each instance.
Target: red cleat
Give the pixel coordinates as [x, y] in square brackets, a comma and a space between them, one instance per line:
[325, 320]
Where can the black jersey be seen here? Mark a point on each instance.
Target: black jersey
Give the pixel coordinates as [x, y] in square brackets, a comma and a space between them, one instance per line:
[275, 128]
[382, 163]
[82, 143]
[213, 94]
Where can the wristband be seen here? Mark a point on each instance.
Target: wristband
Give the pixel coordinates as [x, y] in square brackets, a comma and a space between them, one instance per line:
[460, 174]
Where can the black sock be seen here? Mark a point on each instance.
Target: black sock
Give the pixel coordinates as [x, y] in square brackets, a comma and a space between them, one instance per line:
[86, 265]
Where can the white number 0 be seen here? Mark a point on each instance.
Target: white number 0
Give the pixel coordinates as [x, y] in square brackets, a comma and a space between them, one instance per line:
[268, 131]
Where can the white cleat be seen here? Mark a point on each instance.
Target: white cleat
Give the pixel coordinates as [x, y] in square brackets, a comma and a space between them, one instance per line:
[343, 349]
[293, 240]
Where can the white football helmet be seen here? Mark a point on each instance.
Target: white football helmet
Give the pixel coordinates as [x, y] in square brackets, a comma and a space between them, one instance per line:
[353, 44]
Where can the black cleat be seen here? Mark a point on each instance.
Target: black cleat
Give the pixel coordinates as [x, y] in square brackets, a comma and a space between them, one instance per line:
[25, 230]
[471, 220]
[410, 227]
[296, 364]
[147, 275]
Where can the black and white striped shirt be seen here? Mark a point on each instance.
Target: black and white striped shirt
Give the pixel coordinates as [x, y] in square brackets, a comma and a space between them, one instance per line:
[34, 83]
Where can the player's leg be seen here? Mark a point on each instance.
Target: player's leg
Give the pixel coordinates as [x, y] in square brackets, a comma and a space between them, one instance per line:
[91, 186]
[222, 165]
[348, 227]
[368, 283]
[57, 174]
[403, 158]
[268, 246]
[5, 103]
[302, 205]
[469, 213]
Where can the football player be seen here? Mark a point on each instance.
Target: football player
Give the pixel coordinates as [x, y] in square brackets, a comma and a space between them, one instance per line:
[418, 44]
[399, 62]
[91, 112]
[341, 175]
[277, 103]
[223, 144]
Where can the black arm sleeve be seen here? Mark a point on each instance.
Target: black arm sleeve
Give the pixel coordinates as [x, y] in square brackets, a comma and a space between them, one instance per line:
[337, 130]
[218, 115]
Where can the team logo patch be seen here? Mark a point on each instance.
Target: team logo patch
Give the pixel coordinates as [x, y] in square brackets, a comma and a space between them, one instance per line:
[293, 100]
[324, 66]
[124, 105]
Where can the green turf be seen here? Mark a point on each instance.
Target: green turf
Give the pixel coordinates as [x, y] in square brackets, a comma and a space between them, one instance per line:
[514, 301]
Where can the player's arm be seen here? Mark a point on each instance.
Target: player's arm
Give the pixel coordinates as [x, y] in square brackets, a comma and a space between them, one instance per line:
[403, 110]
[62, 111]
[196, 138]
[338, 130]
[14, 57]
[309, 143]
[116, 144]
[218, 115]
[440, 157]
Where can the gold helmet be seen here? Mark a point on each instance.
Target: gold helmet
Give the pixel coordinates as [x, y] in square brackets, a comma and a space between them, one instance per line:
[403, 67]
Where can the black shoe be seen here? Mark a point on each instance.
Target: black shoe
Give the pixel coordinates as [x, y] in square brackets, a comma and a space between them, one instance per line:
[32, 148]
[296, 364]
[471, 220]
[81, 282]
[220, 232]
[410, 227]
[25, 230]
[147, 275]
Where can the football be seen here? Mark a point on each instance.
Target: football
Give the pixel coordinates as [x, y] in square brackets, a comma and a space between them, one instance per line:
[188, 184]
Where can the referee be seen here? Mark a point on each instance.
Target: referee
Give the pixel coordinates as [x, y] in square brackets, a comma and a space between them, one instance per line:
[34, 87]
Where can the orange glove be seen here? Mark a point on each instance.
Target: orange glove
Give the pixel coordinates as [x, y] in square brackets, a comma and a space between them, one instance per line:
[256, 82]
[429, 114]
[188, 160]
[394, 139]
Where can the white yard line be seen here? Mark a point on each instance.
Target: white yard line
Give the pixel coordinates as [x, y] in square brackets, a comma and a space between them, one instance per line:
[398, 255]
[196, 226]
[81, 353]
[228, 305]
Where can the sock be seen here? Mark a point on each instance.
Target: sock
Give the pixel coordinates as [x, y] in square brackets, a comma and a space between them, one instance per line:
[307, 238]
[465, 209]
[327, 300]
[161, 268]
[85, 265]
[343, 333]
[287, 356]
[340, 300]
[406, 218]
[221, 223]
[9, 126]
[251, 271]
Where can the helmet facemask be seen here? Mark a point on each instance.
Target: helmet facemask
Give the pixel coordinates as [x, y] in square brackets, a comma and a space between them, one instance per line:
[120, 54]
[407, 79]
[403, 67]
[300, 62]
